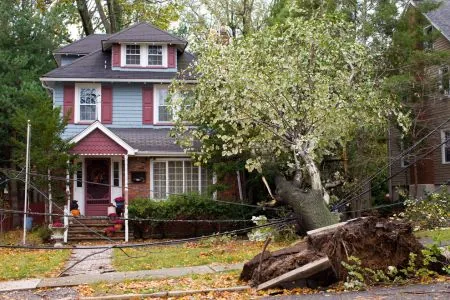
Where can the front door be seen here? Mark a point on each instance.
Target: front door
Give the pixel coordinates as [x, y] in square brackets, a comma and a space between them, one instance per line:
[98, 186]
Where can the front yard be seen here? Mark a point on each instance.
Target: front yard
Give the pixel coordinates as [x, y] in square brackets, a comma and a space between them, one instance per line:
[189, 254]
[18, 263]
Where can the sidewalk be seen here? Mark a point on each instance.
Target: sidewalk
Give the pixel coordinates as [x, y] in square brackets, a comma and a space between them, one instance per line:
[114, 277]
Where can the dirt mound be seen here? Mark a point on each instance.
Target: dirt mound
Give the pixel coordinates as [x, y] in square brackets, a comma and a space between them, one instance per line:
[379, 243]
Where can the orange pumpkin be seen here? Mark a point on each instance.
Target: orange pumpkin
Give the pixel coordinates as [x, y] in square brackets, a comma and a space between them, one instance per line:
[75, 212]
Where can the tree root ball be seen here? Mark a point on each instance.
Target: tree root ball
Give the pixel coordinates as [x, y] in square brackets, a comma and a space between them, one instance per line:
[379, 243]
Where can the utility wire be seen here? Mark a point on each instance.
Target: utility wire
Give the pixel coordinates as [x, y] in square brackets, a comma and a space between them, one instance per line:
[151, 244]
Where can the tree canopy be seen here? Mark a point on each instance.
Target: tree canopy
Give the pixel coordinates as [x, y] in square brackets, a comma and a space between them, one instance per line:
[293, 92]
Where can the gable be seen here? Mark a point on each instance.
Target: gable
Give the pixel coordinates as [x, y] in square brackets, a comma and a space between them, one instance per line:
[97, 143]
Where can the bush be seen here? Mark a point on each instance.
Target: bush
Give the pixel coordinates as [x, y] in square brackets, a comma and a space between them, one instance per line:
[188, 206]
[428, 213]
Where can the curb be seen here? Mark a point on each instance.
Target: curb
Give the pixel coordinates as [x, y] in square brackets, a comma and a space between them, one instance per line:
[168, 293]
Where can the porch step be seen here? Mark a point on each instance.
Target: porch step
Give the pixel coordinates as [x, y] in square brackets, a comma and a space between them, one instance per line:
[92, 229]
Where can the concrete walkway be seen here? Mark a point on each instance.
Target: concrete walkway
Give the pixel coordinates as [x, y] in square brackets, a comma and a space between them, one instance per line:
[96, 261]
[80, 279]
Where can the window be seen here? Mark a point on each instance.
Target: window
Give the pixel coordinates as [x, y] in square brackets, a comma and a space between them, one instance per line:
[144, 55]
[116, 177]
[445, 135]
[177, 177]
[88, 104]
[428, 38]
[155, 55]
[133, 55]
[164, 113]
[404, 160]
[444, 81]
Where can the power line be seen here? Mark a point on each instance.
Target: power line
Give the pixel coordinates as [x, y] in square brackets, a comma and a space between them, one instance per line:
[152, 244]
[380, 170]
[392, 176]
[59, 178]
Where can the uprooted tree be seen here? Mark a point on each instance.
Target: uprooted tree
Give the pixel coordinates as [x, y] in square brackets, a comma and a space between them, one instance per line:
[287, 95]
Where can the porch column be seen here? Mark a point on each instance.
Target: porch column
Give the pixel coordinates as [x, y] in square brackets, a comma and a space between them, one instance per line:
[126, 196]
[67, 207]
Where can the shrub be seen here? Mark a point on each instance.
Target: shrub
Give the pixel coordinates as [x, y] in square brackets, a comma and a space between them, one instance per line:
[188, 206]
[428, 213]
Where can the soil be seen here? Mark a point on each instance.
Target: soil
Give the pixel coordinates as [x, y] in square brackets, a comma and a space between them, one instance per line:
[379, 243]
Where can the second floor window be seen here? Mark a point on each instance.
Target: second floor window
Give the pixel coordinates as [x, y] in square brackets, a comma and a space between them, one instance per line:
[88, 104]
[155, 55]
[133, 55]
[444, 80]
[164, 111]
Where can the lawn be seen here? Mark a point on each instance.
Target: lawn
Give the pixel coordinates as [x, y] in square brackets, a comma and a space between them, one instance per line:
[189, 254]
[440, 234]
[19, 263]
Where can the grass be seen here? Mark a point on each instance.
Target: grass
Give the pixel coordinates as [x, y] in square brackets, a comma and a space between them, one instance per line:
[189, 254]
[20, 263]
[440, 234]
[23, 263]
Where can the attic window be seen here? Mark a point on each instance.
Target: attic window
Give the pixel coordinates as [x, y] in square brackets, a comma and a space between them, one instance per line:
[155, 55]
[133, 55]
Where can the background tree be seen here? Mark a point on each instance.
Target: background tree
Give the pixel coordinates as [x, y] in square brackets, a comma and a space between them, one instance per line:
[111, 16]
[289, 95]
[29, 35]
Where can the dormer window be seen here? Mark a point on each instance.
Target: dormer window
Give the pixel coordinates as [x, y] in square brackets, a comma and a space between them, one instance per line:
[155, 55]
[145, 55]
[133, 55]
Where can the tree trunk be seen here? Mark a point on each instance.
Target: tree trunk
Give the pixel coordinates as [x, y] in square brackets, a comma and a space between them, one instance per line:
[314, 175]
[103, 16]
[310, 209]
[115, 15]
[13, 193]
[88, 28]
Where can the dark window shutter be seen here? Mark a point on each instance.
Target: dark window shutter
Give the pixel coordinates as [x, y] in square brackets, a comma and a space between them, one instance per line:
[116, 55]
[172, 57]
[147, 105]
[69, 102]
[107, 104]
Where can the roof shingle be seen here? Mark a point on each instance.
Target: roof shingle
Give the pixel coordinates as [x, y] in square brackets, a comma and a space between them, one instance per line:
[85, 45]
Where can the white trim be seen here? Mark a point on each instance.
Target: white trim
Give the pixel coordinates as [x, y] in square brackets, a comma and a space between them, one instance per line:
[109, 133]
[54, 79]
[151, 179]
[156, 89]
[443, 131]
[144, 55]
[162, 154]
[98, 104]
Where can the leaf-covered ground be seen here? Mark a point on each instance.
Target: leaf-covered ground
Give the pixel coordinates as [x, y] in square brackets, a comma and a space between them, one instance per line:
[19, 263]
[189, 254]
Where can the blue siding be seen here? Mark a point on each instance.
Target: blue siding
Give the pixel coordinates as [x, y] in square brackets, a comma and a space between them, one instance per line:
[127, 108]
[127, 105]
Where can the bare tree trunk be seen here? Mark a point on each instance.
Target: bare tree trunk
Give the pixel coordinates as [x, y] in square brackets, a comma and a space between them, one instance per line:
[310, 209]
[103, 16]
[314, 174]
[88, 28]
[13, 192]
[115, 15]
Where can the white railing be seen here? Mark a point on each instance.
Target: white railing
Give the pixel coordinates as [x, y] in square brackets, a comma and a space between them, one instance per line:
[66, 223]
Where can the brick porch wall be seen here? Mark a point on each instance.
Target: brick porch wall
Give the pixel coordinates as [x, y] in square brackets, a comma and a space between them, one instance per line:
[138, 190]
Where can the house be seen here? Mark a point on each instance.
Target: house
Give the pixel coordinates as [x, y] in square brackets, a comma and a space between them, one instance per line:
[433, 167]
[113, 90]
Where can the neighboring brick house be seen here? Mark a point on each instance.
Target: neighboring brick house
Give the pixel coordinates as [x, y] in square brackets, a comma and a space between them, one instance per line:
[113, 90]
[433, 170]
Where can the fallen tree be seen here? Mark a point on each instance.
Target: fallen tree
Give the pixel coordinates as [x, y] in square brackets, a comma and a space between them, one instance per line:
[379, 243]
